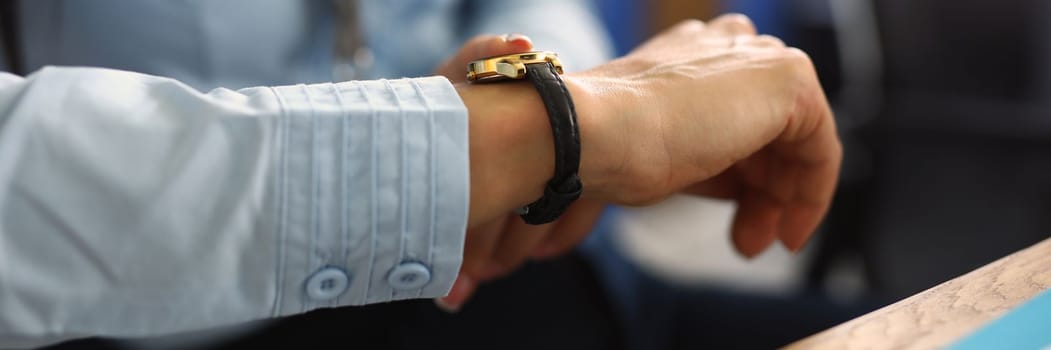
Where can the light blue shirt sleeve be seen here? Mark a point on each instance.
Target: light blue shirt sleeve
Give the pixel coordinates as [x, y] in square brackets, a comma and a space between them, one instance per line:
[133, 205]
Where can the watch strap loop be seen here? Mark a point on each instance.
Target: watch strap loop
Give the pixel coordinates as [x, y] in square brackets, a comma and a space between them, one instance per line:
[557, 197]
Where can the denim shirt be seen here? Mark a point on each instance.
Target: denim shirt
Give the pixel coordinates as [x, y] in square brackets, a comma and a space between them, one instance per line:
[172, 166]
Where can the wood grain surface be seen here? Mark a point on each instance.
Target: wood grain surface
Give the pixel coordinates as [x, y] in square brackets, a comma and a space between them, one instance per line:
[943, 314]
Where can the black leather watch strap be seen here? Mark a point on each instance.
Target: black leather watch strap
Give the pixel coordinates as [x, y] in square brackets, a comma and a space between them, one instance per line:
[564, 186]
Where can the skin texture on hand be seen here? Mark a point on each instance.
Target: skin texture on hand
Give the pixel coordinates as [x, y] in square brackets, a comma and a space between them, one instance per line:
[719, 111]
[710, 109]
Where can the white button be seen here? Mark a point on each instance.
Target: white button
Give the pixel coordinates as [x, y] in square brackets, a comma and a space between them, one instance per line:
[327, 283]
[409, 275]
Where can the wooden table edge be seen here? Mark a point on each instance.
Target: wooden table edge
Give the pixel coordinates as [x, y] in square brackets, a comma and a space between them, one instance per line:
[942, 314]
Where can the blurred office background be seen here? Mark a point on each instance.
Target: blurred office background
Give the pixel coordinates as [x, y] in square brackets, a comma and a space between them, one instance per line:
[944, 115]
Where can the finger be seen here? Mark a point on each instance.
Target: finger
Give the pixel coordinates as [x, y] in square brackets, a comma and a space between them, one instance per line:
[810, 142]
[482, 46]
[687, 27]
[461, 291]
[764, 41]
[504, 45]
[798, 223]
[684, 29]
[517, 242]
[733, 24]
[479, 245]
[571, 229]
[815, 184]
[478, 249]
[755, 224]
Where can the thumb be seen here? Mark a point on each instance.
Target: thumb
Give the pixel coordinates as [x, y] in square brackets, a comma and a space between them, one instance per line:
[455, 67]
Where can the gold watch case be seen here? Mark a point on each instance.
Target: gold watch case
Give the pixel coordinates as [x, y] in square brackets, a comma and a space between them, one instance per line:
[512, 66]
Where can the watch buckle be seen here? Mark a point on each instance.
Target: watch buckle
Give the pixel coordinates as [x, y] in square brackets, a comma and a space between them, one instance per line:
[509, 66]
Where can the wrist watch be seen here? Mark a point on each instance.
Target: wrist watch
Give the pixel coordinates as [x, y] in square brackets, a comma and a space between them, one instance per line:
[543, 68]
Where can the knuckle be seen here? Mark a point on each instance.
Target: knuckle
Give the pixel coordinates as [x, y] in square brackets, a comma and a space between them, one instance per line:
[693, 22]
[837, 149]
[735, 17]
[770, 39]
[739, 20]
[797, 55]
[796, 65]
[690, 25]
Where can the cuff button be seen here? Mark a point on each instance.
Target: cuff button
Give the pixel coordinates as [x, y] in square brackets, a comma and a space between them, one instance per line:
[327, 283]
[409, 276]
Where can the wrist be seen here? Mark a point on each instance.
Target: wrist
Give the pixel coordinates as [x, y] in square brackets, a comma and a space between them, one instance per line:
[512, 147]
[617, 134]
[600, 160]
[511, 152]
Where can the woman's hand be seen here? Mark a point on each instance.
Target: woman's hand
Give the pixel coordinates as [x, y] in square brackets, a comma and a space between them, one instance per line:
[707, 109]
[715, 110]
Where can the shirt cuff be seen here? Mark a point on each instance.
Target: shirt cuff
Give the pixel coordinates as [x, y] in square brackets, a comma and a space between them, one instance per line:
[371, 187]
